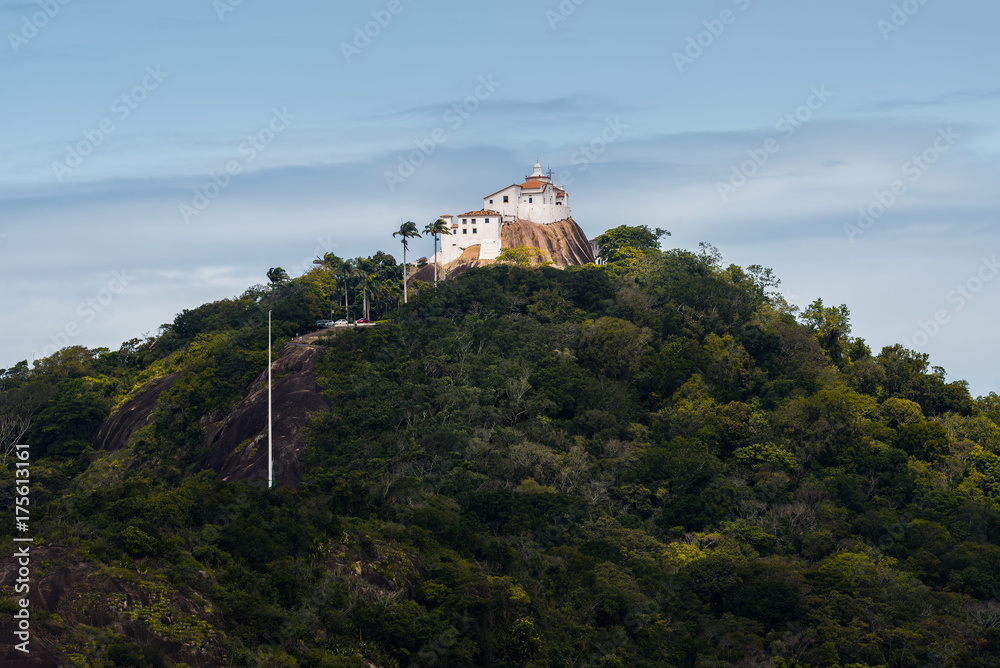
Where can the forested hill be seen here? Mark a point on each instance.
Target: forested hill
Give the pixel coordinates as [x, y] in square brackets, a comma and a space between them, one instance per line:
[657, 462]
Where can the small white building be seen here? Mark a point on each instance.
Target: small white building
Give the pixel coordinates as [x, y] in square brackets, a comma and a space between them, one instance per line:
[537, 200]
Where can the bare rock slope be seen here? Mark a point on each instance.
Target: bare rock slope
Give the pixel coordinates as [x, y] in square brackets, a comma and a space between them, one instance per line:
[239, 441]
[114, 432]
[68, 593]
[564, 243]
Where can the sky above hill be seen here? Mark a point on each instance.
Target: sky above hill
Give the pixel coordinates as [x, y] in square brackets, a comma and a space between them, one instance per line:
[158, 155]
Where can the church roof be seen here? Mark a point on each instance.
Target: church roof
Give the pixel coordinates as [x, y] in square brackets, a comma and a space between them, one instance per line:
[484, 212]
[533, 185]
[513, 185]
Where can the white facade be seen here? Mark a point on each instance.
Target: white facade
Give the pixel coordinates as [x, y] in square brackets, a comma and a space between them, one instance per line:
[537, 200]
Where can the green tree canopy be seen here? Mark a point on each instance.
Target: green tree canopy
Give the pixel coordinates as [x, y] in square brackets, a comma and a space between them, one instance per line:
[612, 244]
[522, 256]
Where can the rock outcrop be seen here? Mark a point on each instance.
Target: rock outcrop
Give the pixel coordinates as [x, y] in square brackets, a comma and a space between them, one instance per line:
[82, 595]
[564, 243]
[239, 441]
[466, 261]
[114, 432]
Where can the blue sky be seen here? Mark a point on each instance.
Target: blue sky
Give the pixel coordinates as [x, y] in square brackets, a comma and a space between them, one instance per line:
[760, 127]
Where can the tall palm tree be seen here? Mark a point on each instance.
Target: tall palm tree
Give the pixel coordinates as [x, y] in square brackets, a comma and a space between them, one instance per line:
[407, 231]
[344, 272]
[385, 288]
[436, 229]
[367, 270]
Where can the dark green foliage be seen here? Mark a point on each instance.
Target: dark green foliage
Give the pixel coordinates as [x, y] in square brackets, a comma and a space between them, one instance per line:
[138, 543]
[616, 243]
[65, 423]
[135, 656]
[649, 464]
[925, 440]
[990, 407]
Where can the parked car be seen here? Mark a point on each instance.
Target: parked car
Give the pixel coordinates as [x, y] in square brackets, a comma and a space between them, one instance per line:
[324, 323]
[340, 323]
[362, 321]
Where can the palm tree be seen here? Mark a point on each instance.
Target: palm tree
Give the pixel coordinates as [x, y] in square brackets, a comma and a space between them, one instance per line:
[435, 229]
[385, 285]
[407, 231]
[344, 272]
[367, 269]
[330, 261]
[277, 275]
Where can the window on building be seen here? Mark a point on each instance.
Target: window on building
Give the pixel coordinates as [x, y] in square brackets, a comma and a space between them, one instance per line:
[465, 230]
[465, 221]
[473, 221]
[530, 200]
[487, 221]
[506, 199]
[491, 201]
[473, 230]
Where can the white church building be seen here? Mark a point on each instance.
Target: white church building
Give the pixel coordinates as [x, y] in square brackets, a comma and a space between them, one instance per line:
[537, 200]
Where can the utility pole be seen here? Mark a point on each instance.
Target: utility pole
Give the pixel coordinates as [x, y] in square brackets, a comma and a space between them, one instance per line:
[270, 455]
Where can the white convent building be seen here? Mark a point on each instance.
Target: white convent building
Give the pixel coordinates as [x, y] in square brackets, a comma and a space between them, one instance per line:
[537, 200]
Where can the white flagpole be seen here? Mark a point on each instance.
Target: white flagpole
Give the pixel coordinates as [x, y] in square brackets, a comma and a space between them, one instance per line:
[270, 464]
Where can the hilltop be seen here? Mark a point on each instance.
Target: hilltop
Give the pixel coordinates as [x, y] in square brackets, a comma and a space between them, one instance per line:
[562, 244]
[658, 462]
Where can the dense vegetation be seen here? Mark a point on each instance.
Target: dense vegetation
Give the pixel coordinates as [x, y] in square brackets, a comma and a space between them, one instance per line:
[654, 463]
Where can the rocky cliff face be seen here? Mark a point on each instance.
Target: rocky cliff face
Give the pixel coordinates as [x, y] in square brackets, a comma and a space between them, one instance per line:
[466, 261]
[239, 441]
[139, 610]
[564, 242]
[114, 432]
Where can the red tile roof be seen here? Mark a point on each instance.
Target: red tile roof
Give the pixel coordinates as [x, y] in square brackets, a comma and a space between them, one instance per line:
[479, 213]
[533, 185]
